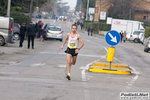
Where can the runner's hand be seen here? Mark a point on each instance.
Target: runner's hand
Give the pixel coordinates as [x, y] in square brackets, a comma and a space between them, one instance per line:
[61, 47]
[77, 51]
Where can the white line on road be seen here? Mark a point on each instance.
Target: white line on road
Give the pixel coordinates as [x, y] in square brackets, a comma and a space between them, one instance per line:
[85, 55]
[134, 71]
[36, 65]
[83, 73]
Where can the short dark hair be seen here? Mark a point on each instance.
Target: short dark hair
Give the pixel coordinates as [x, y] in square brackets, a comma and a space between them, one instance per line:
[74, 25]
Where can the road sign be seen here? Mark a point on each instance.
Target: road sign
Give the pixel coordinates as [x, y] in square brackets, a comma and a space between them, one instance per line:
[112, 38]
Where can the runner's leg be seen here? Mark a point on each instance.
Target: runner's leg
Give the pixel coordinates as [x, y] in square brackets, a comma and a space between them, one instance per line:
[69, 56]
[74, 58]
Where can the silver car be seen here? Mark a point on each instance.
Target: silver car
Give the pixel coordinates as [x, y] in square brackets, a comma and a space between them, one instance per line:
[53, 31]
[147, 45]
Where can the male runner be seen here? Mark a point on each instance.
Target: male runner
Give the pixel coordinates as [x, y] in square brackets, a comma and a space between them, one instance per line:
[72, 51]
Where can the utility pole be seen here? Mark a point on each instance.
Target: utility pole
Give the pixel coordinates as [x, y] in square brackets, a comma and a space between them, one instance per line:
[31, 7]
[8, 8]
[87, 11]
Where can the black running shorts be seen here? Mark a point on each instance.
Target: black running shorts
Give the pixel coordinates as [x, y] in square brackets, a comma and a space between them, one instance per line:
[71, 51]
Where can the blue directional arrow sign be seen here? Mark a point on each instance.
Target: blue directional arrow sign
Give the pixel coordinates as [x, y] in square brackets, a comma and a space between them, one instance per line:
[112, 38]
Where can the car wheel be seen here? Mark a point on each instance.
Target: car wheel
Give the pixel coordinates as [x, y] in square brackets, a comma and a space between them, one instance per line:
[2, 41]
[145, 50]
[61, 40]
[16, 36]
[45, 38]
[135, 40]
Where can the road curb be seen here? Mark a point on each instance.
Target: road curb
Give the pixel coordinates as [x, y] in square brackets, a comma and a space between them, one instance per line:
[113, 65]
[116, 68]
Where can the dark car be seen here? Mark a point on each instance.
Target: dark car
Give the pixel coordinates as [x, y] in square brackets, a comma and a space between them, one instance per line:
[16, 31]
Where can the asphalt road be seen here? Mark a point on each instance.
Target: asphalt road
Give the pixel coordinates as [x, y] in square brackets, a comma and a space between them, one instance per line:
[39, 74]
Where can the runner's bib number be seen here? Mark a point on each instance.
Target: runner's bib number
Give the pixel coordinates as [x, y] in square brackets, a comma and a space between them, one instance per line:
[72, 44]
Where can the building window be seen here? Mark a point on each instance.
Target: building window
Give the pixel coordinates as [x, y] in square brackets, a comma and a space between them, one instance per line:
[145, 17]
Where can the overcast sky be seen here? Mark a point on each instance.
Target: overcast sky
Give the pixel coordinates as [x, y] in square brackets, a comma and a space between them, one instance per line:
[71, 3]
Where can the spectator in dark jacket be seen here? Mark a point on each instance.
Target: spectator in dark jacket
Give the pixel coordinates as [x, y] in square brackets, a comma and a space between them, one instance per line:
[23, 29]
[89, 31]
[38, 28]
[81, 24]
[31, 31]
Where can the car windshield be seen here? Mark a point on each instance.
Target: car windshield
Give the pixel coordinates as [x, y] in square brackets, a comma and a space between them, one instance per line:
[52, 28]
[136, 32]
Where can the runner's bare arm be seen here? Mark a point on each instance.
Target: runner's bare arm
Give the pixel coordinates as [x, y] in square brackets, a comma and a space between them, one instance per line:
[82, 43]
[65, 41]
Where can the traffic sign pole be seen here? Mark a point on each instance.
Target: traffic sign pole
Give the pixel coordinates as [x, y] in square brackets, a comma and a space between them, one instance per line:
[112, 38]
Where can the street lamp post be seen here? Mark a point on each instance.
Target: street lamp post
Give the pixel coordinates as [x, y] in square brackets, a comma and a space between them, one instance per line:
[8, 8]
[87, 10]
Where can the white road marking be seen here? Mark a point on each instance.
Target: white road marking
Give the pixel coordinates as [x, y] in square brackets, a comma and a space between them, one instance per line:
[62, 66]
[13, 62]
[36, 65]
[134, 71]
[85, 55]
[130, 84]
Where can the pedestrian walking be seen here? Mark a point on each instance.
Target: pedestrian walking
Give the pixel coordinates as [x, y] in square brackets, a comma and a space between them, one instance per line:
[23, 29]
[124, 36]
[91, 31]
[121, 36]
[38, 29]
[31, 34]
[72, 51]
[42, 33]
[81, 24]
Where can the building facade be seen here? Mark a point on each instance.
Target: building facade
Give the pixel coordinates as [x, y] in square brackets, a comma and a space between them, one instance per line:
[141, 9]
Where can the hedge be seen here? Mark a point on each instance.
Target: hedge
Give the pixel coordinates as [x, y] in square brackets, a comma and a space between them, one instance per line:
[18, 17]
[102, 26]
[147, 32]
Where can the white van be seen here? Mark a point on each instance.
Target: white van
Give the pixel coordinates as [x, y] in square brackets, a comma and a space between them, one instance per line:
[6, 30]
[125, 25]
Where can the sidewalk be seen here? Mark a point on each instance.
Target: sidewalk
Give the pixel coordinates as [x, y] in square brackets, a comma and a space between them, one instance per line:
[13, 48]
[94, 35]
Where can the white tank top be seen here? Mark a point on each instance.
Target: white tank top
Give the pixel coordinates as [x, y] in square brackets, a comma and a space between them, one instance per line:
[73, 42]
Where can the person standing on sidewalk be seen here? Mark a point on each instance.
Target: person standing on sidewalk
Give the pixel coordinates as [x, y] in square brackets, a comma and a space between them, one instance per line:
[23, 29]
[31, 31]
[89, 31]
[124, 36]
[121, 35]
[72, 51]
[38, 28]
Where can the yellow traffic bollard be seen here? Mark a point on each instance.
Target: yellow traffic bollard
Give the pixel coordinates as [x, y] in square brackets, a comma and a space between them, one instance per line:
[110, 54]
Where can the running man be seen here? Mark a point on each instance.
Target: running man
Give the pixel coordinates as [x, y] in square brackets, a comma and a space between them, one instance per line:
[72, 51]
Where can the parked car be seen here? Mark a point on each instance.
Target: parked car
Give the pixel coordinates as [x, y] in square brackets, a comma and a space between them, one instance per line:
[16, 31]
[141, 37]
[147, 45]
[53, 31]
[6, 30]
[135, 36]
